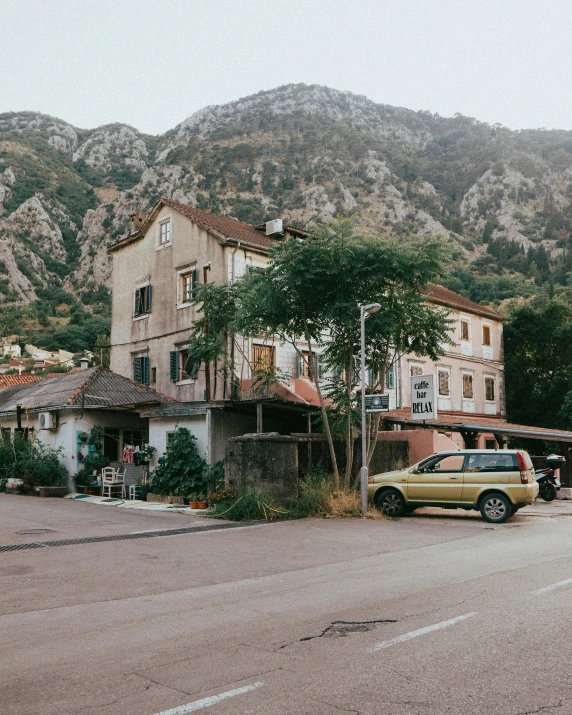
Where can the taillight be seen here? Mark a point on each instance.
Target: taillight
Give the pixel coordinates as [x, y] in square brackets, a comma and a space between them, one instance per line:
[523, 469]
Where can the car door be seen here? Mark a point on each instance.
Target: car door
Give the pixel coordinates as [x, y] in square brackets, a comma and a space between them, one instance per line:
[439, 479]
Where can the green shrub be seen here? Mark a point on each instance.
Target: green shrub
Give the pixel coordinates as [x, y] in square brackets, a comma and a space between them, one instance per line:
[252, 505]
[92, 463]
[35, 463]
[181, 470]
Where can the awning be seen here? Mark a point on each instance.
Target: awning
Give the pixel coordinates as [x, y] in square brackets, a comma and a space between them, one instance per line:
[476, 424]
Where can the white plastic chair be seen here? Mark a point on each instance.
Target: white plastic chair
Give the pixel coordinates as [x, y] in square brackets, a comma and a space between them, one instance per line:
[112, 479]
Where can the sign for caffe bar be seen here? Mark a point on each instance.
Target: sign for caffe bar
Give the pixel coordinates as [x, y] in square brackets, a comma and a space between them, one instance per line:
[423, 394]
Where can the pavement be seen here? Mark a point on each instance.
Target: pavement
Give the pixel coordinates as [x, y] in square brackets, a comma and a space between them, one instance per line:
[436, 612]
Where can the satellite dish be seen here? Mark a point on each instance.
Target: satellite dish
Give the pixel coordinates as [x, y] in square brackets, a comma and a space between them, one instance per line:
[192, 366]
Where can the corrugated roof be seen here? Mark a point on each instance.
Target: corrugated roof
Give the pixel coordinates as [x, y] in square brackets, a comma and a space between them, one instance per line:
[444, 296]
[90, 388]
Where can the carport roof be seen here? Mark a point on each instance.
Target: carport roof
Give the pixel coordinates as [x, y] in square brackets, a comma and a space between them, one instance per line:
[478, 424]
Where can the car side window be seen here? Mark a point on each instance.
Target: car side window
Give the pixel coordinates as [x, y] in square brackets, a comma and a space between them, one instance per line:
[448, 463]
[492, 462]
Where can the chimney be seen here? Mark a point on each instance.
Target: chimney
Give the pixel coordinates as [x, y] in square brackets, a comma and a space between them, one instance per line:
[83, 364]
[136, 222]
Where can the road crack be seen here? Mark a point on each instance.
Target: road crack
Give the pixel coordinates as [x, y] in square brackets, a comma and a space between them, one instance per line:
[542, 709]
[342, 629]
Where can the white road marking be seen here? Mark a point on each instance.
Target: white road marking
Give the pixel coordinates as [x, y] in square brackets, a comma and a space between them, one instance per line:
[207, 702]
[420, 632]
[552, 586]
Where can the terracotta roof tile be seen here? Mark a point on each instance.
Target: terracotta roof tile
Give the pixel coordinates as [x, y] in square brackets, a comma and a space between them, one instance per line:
[9, 380]
[223, 225]
[444, 296]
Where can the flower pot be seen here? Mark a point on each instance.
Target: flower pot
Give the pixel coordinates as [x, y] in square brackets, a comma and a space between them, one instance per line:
[194, 504]
[201, 504]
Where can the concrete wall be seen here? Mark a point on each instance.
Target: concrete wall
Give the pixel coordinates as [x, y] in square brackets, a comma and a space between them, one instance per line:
[70, 422]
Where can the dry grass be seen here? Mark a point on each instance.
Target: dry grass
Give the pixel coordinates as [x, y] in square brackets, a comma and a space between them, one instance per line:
[345, 504]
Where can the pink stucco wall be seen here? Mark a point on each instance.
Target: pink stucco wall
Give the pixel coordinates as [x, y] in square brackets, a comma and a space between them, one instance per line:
[422, 442]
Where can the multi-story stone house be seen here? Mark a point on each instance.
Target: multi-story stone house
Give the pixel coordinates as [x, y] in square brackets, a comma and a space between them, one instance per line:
[155, 271]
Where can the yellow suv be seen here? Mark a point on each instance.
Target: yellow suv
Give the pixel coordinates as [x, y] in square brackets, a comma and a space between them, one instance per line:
[496, 483]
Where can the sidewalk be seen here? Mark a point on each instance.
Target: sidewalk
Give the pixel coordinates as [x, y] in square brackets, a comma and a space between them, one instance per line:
[136, 504]
[539, 507]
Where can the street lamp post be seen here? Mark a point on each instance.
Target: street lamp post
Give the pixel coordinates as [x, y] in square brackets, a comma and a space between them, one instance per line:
[364, 309]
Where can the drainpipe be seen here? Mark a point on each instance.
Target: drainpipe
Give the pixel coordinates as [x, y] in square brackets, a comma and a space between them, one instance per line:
[207, 268]
[232, 278]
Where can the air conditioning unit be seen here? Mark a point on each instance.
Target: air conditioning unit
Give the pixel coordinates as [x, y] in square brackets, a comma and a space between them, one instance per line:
[273, 227]
[47, 420]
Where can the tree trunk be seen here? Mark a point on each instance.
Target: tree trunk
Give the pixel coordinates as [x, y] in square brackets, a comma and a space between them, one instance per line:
[349, 430]
[322, 406]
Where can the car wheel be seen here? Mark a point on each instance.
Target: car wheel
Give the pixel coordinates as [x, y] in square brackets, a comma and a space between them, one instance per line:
[391, 503]
[495, 508]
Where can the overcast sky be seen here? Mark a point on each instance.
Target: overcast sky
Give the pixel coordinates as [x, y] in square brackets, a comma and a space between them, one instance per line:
[152, 63]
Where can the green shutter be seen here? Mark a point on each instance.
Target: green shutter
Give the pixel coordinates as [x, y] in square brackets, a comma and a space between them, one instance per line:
[137, 370]
[148, 299]
[174, 365]
[145, 370]
[194, 284]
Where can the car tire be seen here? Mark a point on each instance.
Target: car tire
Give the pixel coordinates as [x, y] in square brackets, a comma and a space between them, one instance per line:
[390, 502]
[495, 508]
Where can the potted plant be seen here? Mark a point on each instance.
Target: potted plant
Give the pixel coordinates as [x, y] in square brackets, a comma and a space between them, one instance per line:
[82, 436]
[146, 453]
[194, 500]
[201, 501]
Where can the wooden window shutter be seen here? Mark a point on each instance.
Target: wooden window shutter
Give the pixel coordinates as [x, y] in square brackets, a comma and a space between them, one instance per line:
[148, 299]
[174, 365]
[195, 280]
[145, 370]
[468, 386]
[137, 370]
[299, 366]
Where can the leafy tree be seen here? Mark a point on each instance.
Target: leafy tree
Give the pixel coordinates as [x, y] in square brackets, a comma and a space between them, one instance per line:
[313, 289]
[181, 470]
[538, 363]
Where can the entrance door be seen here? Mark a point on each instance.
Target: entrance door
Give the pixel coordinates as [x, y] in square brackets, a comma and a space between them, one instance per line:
[440, 479]
[111, 444]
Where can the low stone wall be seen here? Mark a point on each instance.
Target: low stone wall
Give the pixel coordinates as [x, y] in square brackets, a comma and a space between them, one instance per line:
[274, 463]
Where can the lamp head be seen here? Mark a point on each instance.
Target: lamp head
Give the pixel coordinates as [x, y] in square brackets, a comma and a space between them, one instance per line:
[371, 308]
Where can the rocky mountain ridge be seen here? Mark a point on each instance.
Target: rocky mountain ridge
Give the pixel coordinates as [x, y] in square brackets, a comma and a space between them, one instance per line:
[302, 153]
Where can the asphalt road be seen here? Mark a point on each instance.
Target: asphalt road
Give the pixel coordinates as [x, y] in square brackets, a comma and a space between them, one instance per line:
[436, 612]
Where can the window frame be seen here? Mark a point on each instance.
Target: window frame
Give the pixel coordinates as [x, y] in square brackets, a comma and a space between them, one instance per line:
[445, 371]
[416, 365]
[147, 300]
[257, 365]
[465, 320]
[182, 273]
[490, 379]
[472, 378]
[489, 328]
[166, 221]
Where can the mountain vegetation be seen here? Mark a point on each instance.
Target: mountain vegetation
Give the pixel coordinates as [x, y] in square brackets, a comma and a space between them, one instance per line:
[502, 199]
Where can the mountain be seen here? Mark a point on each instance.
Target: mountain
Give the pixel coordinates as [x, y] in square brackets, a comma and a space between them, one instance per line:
[503, 198]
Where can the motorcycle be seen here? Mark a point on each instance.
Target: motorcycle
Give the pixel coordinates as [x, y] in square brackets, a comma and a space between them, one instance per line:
[548, 482]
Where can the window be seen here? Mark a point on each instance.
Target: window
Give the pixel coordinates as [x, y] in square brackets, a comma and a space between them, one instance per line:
[183, 366]
[390, 377]
[487, 335]
[467, 386]
[165, 232]
[492, 462]
[142, 304]
[416, 370]
[141, 370]
[263, 357]
[489, 389]
[447, 463]
[490, 444]
[304, 365]
[153, 375]
[187, 286]
[444, 389]
[465, 330]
